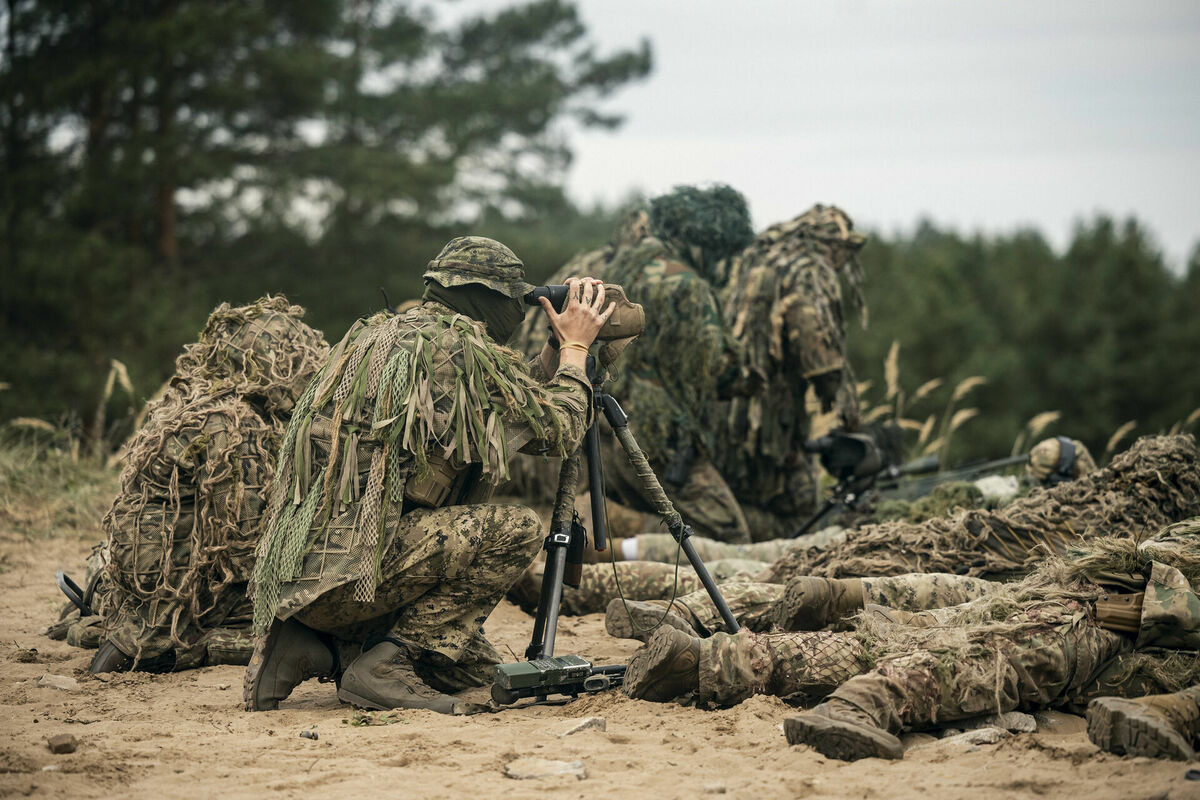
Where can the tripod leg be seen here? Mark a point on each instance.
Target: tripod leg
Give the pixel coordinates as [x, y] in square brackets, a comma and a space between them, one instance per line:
[545, 624]
[664, 507]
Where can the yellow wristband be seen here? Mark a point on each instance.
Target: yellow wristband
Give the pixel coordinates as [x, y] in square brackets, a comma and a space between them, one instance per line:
[580, 346]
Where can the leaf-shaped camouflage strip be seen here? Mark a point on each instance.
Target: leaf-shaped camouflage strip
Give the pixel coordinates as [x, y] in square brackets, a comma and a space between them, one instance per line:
[402, 388]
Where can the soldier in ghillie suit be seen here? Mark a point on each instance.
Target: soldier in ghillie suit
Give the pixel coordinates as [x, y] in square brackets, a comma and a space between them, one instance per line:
[672, 378]
[379, 536]
[180, 536]
[820, 580]
[1115, 616]
[782, 299]
[1153, 483]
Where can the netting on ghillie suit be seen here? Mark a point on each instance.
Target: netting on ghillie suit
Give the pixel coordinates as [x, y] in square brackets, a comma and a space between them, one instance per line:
[1153, 484]
[182, 532]
[782, 299]
[416, 398]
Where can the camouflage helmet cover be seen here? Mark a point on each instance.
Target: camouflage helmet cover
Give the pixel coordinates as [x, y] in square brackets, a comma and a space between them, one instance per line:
[477, 259]
[1045, 460]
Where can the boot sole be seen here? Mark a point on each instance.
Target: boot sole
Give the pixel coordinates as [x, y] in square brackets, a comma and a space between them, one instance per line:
[659, 655]
[647, 619]
[456, 708]
[1119, 726]
[841, 740]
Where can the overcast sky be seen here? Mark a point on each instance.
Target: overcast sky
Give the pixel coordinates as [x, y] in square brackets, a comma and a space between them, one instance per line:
[978, 114]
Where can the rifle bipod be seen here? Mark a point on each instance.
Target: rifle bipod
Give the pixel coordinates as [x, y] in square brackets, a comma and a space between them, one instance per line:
[544, 674]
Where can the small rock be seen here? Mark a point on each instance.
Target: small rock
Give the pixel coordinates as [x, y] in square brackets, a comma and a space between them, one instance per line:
[50, 768]
[23, 656]
[309, 735]
[222, 686]
[1013, 721]
[577, 725]
[62, 743]
[714, 788]
[978, 736]
[524, 769]
[67, 684]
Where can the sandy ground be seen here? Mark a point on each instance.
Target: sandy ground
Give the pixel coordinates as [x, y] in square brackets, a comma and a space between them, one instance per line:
[185, 734]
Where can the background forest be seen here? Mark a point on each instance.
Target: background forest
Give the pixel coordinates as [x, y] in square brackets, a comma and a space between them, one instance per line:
[159, 157]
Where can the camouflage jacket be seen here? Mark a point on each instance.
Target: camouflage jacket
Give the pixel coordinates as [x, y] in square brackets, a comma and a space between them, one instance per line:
[674, 375]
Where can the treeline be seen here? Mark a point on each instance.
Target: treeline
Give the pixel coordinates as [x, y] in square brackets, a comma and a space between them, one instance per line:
[157, 158]
[1104, 333]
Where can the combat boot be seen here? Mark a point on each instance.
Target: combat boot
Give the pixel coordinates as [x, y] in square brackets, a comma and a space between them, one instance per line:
[809, 604]
[288, 655]
[383, 678]
[839, 730]
[110, 658]
[636, 619]
[1156, 726]
[666, 667]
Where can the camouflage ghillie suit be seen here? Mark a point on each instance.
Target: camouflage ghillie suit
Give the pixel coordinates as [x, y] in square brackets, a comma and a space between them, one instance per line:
[782, 299]
[1154, 483]
[181, 534]
[1046, 642]
[671, 379]
[378, 519]
[1027, 645]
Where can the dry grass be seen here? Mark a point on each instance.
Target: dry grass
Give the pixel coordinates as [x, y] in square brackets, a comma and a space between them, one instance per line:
[935, 433]
[1118, 436]
[1034, 428]
[46, 489]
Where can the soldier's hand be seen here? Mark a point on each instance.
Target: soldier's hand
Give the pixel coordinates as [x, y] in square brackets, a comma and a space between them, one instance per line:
[584, 314]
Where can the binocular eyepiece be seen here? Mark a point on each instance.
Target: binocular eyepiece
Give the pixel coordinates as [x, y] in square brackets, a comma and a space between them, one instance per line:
[555, 293]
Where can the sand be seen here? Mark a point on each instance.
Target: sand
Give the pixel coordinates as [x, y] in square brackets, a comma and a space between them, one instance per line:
[185, 734]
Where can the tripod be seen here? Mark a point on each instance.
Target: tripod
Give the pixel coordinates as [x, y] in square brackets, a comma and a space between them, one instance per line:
[543, 674]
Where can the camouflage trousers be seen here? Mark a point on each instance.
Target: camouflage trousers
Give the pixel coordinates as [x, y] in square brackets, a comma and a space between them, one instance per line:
[644, 580]
[661, 547]
[751, 603]
[923, 591]
[803, 666]
[798, 667]
[1046, 655]
[704, 500]
[443, 574]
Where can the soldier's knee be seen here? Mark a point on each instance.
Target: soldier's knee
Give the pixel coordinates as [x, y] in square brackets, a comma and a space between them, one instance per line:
[518, 525]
